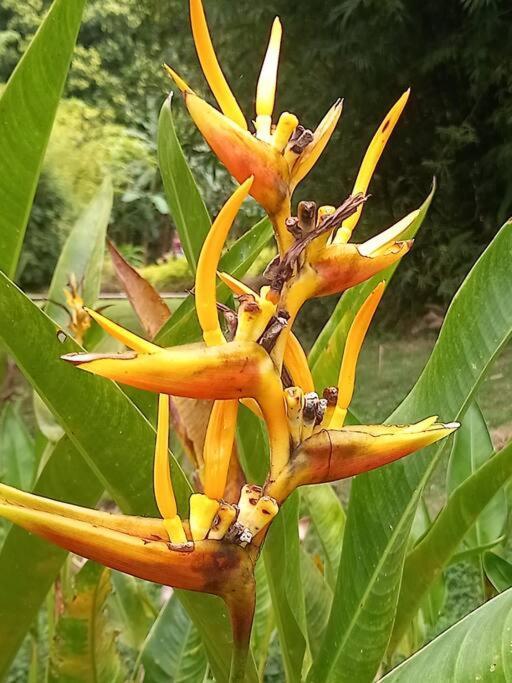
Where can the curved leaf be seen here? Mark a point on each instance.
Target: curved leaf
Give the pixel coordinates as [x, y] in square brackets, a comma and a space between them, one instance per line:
[428, 559]
[84, 643]
[27, 111]
[383, 502]
[498, 571]
[187, 207]
[173, 651]
[328, 518]
[475, 649]
[472, 446]
[17, 450]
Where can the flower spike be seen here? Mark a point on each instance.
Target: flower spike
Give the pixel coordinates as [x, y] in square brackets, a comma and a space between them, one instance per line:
[211, 67]
[353, 345]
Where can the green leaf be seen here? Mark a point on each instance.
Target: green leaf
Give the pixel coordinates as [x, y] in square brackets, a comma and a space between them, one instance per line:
[264, 622]
[29, 565]
[173, 650]
[82, 255]
[475, 649]
[84, 644]
[132, 609]
[328, 518]
[183, 326]
[318, 596]
[472, 446]
[101, 420]
[27, 110]
[326, 354]
[427, 560]
[17, 451]
[281, 554]
[498, 571]
[383, 502]
[185, 203]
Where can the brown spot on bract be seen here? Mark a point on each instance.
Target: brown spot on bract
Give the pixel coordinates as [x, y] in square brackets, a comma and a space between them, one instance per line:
[386, 125]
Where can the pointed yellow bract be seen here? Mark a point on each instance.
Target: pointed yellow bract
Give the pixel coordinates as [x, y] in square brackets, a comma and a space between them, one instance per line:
[205, 290]
[267, 83]
[164, 494]
[370, 161]
[355, 339]
[218, 447]
[321, 137]
[178, 80]
[211, 67]
[132, 341]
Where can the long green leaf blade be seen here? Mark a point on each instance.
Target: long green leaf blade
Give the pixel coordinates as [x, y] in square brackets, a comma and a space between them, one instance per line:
[187, 207]
[472, 447]
[428, 559]
[27, 111]
[475, 649]
[383, 502]
[173, 651]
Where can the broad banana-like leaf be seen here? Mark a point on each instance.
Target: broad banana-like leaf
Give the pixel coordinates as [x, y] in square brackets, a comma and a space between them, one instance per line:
[428, 559]
[327, 351]
[84, 646]
[472, 446]
[328, 518]
[173, 650]
[383, 502]
[28, 106]
[498, 571]
[475, 649]
[185, 203]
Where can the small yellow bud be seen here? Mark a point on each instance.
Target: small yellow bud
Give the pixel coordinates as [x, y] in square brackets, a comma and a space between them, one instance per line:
[202, 514]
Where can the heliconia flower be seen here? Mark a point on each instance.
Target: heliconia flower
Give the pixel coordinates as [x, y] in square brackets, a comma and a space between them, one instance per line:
[278, 157]
[140, 547]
